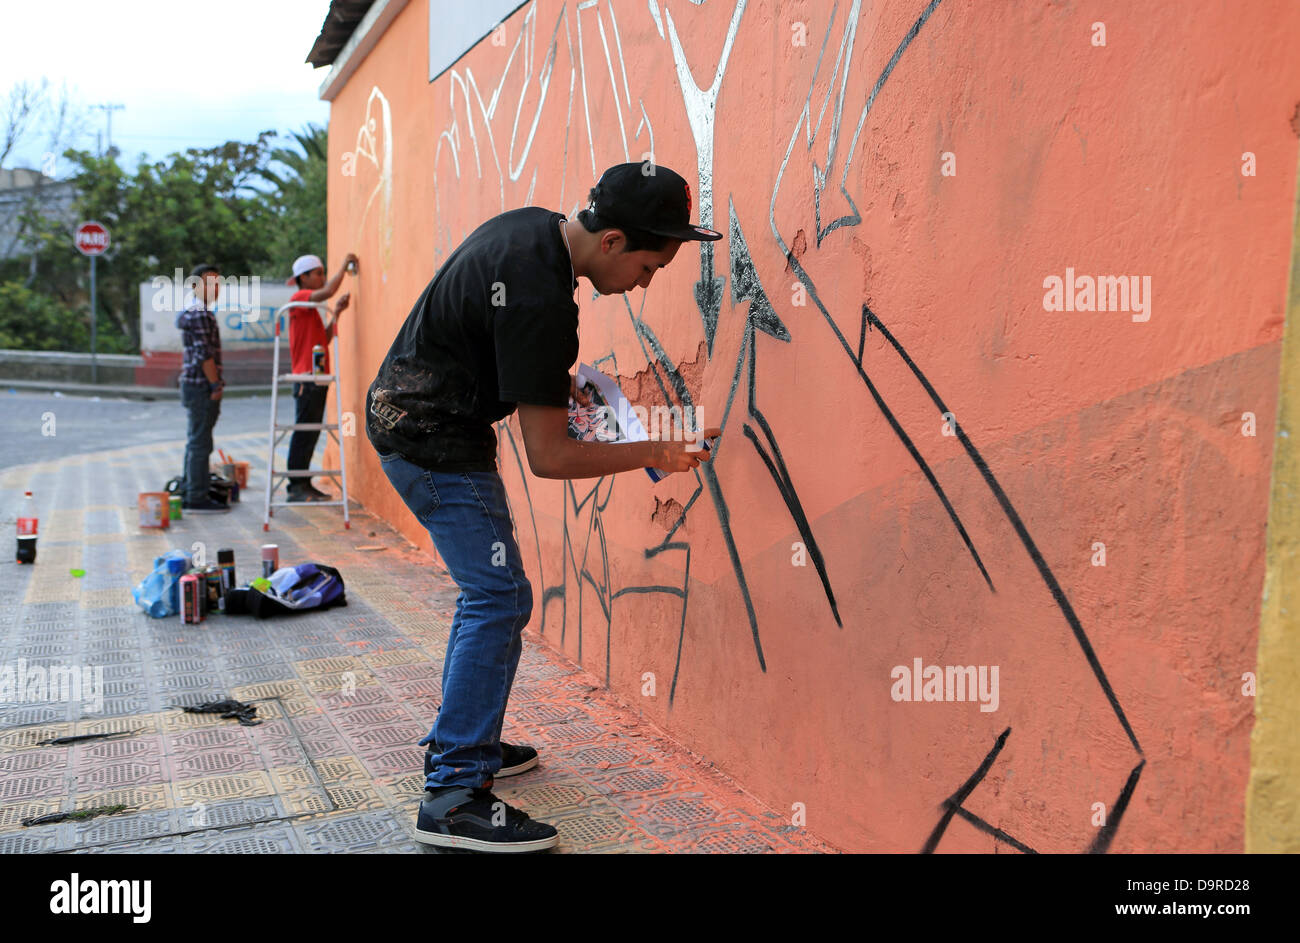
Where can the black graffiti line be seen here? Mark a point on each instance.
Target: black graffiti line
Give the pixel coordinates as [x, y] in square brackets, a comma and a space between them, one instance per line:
[993, 830]
[681, 628]
[747, 286]
[1106, 834]
[647, 336]
[571, 502]
[957, 798]
[1044, 571]
[792, 502]
[784, 485]
[862, 118]
[805, 118]
[581, 572]
[603, 597]
[682, 593]
[549, 593]
[565, 555]
[642, 330]
[724, 517]
[735, 381]
[895, 425]
[608, 602]
[674, 590]
[541, 574]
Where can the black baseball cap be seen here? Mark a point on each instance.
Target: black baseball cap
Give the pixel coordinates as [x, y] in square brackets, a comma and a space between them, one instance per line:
[649, 197]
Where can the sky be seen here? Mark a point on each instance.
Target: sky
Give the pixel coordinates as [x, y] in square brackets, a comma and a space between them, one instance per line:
[189, 73]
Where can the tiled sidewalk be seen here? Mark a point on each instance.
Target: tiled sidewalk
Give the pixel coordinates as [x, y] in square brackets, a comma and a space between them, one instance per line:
[335, 766]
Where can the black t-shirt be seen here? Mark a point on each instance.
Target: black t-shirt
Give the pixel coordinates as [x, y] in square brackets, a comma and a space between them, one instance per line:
[497, 326]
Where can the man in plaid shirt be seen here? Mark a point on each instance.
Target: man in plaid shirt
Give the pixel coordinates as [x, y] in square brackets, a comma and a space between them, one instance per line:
[201, 386]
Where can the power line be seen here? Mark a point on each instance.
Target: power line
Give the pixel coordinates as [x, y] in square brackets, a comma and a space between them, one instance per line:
[108, 110]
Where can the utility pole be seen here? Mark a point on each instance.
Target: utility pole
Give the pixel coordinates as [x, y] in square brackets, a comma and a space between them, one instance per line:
[108, 110]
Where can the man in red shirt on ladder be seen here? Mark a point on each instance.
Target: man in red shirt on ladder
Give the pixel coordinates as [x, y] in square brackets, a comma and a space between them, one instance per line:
[306, 330]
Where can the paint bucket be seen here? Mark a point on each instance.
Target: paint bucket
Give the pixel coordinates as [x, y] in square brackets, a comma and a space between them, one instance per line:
[270, 559]
[191, 600]
[174, 506]
[226, 560]
[241, 474]
[155, 509]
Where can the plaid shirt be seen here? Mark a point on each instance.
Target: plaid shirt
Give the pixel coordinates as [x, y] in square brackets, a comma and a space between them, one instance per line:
[202, 340]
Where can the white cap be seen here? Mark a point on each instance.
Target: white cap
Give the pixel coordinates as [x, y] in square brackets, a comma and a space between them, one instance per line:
[304, 264]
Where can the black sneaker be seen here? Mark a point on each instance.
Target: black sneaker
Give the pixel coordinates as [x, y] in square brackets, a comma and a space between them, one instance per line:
[206, 506]
[514, 760]
[475, 819]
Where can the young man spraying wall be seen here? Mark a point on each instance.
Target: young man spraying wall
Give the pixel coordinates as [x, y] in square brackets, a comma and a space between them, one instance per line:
[306, 331]
[497, 330]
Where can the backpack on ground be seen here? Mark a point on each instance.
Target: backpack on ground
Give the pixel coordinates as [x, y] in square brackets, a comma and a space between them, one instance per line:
[298, 588]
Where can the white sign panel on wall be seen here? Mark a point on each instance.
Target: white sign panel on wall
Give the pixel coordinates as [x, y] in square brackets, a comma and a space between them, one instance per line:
[455, 27]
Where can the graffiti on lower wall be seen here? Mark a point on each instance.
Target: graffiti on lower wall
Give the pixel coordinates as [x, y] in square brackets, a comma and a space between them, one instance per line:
[570, 71]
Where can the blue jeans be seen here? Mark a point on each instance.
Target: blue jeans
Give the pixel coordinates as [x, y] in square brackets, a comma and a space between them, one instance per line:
[203, 411]
[469, 520]
[309, 406]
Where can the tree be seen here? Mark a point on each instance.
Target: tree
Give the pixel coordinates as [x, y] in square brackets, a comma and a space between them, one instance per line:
[34, 114]
[200, 206]
[248, 208]
[33, 321]
[298, 196]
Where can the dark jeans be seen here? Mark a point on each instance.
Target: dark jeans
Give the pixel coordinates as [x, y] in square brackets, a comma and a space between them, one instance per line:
[203, 411]
[469, 520]
[308, 406]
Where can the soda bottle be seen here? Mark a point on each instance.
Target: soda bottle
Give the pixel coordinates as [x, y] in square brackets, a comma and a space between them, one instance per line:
[27, 524]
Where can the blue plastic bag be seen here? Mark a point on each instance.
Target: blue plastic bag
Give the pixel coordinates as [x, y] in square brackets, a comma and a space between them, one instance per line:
[158, 594]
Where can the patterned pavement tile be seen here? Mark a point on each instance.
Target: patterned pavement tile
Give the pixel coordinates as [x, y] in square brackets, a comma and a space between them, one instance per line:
[342, 697]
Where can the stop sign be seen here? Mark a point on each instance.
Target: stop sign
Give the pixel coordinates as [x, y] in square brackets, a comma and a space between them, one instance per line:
[91, 238]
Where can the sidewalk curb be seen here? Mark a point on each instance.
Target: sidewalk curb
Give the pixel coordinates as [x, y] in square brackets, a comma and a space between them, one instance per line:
[125, 392]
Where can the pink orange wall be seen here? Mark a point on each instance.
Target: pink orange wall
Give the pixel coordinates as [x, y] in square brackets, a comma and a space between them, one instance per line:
[897, 179]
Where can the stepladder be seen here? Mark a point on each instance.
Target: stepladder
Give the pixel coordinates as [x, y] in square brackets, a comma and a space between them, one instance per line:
[277, 476]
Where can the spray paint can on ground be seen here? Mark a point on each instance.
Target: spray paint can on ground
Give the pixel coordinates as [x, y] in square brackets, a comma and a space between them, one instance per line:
[191, 600]
[174, 506]
[270, 559]
[226, 560]
[216, 597]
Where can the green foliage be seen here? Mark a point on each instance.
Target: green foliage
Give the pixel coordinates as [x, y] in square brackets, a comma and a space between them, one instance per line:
[299, 198]
[249, 208]
[33, 321]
